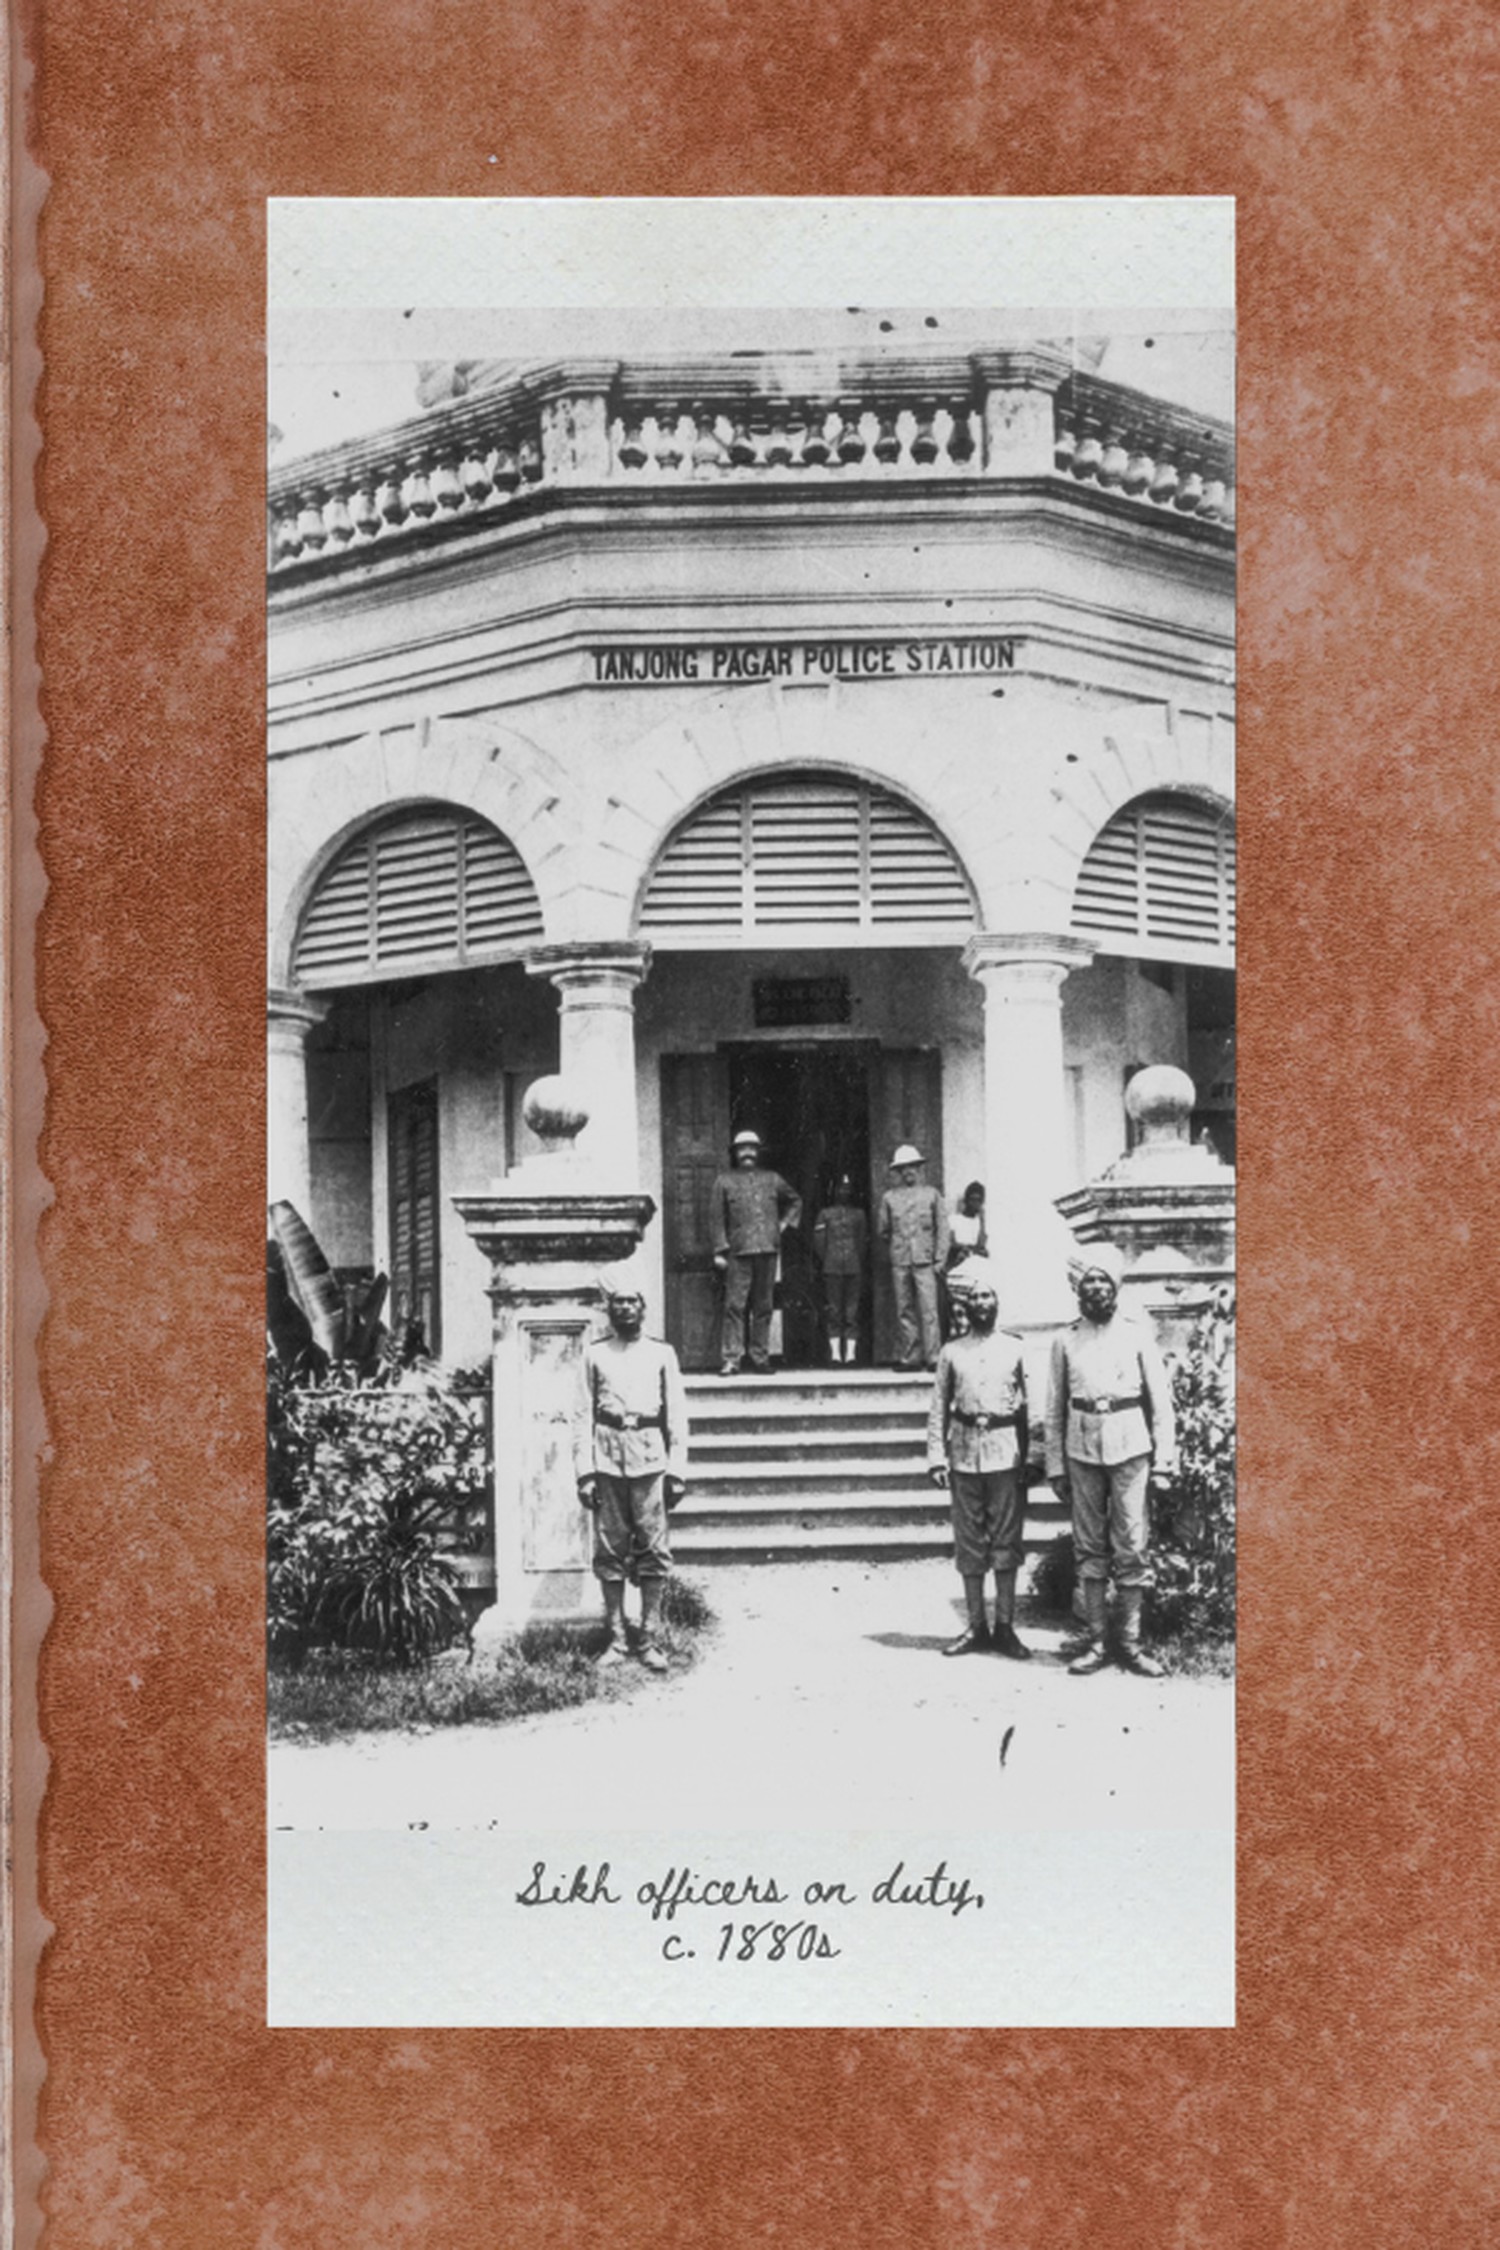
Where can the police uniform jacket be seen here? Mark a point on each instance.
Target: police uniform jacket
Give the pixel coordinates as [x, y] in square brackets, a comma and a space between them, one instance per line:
[978, 1392]
[631, 1419]
[1108, 1399]
[840, 1237]
[914, 1226]
[748, 1208]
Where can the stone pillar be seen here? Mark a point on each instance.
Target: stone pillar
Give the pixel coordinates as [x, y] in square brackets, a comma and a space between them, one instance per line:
[596, 987]
[546, 1231]
[1027, 1130]
[1016, 390]
[290, 1016]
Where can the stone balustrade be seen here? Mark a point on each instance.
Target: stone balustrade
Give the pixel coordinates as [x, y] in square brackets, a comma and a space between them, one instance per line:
[1125, 442]
[805, 418]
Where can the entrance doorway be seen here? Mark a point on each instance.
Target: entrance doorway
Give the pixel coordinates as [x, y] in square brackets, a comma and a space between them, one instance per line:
[822, 1109]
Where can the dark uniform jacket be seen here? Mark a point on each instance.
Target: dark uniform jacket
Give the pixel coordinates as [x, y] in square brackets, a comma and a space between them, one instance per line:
[748, 1208]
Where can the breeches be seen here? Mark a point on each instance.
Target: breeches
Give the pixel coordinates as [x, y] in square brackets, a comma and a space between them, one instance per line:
[915, 1290]
[630, 1528]
[749, 1281]
[841, 1292]
[987, 1511]
[1109, 1519]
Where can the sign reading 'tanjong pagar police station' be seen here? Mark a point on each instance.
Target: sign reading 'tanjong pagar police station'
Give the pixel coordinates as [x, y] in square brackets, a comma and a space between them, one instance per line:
[658, 666]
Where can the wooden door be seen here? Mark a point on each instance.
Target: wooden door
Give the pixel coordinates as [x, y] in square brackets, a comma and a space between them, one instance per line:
[412, 1136]
[906, 1105]
[695, 1148]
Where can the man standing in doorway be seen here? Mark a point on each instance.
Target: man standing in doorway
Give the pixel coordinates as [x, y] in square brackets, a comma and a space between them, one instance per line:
[839, 1236]
[914, 1229]
[976, 1451]
[1109, 1410]
[630, 1459]
[752, 1210]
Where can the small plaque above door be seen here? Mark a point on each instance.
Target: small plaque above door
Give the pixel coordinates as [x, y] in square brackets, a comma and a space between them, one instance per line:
[781, 1002]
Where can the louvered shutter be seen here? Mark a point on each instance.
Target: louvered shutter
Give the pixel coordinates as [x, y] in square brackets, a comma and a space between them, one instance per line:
[412, 1133]
[437, 887]
[819, 853]
[1158, 882]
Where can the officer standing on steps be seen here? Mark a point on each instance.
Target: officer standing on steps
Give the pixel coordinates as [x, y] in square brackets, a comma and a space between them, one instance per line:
[1109, 1410]
[914, 1228]
[630, 1457]
[751, 1210]
[977, 1439]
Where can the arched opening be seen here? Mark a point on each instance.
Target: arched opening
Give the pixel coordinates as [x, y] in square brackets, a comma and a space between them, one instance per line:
[426, 889]
[807, 927]
[1156, 896]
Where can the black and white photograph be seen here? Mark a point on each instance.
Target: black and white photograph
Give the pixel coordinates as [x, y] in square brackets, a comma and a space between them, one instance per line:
[751, 1091]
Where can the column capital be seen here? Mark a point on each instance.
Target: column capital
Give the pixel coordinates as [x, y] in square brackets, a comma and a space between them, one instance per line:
[1026, 949]
[584, 962]
[292, 1012]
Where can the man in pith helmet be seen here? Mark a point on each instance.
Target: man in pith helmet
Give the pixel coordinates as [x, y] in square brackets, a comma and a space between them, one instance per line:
[752, 1208]
[630, 1457]
[840, 1235]
[1109, 1416]
[977, 1438]
[913, 1226]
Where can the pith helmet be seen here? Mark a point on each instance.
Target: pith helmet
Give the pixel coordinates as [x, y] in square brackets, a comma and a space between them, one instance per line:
[906, 1154]
[747, 1139]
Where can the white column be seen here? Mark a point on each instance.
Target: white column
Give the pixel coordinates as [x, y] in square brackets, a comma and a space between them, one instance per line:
[1027, 1131]
[596, 986]
[290, 1016]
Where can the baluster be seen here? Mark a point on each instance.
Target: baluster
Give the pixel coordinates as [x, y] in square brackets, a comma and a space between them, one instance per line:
[851, 444]
[668, 448]
[446, 489]
[363, 514]
[286, 539]
[815, 449]
[887, 447]
[632, 454]
[779, 441]
[310, 525]
[1114, 461]
[1164, 483]
[741, 444]
[1212, 503]
[416, 491]
[1190, 491]
[529, 458]
[506, 470]
[1139, 470]
[924, 444]
[389, 502]
[474, 476]
[961, 435]
[709, 456]
[336, 515]
[1089, 453]
[1065, 444]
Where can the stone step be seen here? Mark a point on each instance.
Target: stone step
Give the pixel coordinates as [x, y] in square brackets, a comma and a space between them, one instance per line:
[724, 1504]
[790, 1537]
[816, 1445]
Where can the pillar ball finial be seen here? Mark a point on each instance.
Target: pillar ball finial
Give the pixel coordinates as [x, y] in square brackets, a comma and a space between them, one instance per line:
[1160, 1100]
[557, 1109]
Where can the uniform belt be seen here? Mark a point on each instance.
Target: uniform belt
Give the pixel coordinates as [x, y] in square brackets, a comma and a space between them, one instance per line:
[1106, 1405]
[987, 1421]
[628, 1421]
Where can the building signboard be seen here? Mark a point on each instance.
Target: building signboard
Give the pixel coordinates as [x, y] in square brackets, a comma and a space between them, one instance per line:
[672, 664]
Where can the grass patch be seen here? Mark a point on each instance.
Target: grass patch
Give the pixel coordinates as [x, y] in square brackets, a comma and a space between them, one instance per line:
[547, 1667]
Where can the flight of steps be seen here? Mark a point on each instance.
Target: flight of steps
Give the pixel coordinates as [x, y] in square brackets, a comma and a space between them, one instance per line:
[823, 1461]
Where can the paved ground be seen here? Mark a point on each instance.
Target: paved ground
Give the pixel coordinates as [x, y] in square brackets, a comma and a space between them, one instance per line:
[821, 1701]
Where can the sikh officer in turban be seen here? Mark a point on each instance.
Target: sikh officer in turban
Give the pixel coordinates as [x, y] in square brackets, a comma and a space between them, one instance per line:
[976, 1451]
[1109, 1416]
[630, 1439]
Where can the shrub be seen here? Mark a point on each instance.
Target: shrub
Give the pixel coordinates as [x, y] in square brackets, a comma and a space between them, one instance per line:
[370, 1491]
[1193, 1543]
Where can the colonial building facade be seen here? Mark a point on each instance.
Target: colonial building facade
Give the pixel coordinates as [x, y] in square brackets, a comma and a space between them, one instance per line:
[840, 747]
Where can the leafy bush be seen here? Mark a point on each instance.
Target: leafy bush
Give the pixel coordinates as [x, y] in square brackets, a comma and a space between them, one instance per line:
[370, 1493]
[1193, 1542]
[1054, 1578]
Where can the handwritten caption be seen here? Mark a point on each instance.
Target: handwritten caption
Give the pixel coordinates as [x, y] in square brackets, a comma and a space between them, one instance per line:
[786, 1936]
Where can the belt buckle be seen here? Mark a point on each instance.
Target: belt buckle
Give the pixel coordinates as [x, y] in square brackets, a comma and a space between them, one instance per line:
[630, 1421]
[985, 1421]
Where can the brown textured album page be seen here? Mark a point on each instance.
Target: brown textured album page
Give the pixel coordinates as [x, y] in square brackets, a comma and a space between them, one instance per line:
[1353, 2102]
